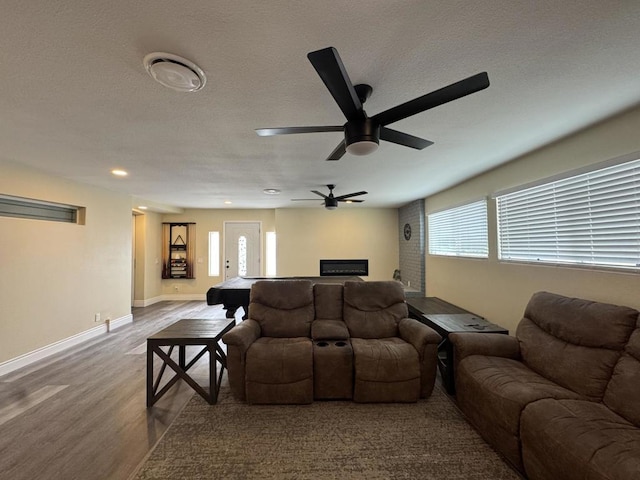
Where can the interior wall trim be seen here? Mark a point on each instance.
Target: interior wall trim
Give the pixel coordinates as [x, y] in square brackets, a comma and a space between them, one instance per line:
[48, 350]
[171, 297]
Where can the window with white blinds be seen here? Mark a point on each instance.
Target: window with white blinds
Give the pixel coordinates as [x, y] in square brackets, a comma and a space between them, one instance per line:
[589, 219]
[459, 231]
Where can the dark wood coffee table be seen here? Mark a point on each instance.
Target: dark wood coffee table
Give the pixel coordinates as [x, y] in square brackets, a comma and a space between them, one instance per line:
[204, 333]
[446, 318]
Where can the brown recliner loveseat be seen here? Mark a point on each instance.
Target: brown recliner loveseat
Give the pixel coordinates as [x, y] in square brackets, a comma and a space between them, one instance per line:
[561, 399]
[302, 342]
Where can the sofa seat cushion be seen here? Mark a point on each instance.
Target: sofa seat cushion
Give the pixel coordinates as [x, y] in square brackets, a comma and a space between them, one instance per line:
[386, 370]
[499, 388]
[493, 391]
[576, 439]
[385, 359]
[280, 360]
[280, 370]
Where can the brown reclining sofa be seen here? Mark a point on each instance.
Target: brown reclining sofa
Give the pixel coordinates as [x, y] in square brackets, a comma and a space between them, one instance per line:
[302, 342]
[561, 399]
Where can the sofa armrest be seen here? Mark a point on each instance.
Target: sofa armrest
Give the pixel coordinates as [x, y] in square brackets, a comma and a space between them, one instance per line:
[425, 340]
[243, 335]
[492, 344]
[417, 334]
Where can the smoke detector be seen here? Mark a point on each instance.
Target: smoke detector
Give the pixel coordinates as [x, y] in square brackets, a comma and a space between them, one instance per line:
[174, 72]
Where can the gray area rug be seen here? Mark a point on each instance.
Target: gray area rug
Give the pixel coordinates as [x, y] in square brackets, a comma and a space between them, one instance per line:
[325, 440]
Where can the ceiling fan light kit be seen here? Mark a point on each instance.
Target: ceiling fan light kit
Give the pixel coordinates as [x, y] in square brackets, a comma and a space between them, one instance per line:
[174, 72]
[330, 203]
[362, 137]
[362, 133]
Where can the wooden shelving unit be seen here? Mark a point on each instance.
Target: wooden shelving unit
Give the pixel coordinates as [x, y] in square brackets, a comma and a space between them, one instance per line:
[177, 262]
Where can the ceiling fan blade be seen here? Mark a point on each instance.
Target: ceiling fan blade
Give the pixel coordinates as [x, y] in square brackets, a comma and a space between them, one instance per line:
[304, 199]
[404, 139]
[268, 132]
[319, 193]
[348, 200]
[338, 152]
[348, 195]
[444, 95]
[329, 66]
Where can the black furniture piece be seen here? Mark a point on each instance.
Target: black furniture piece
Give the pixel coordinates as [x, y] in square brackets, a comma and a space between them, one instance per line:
[205, 333]
[446, 318]
[234, 293]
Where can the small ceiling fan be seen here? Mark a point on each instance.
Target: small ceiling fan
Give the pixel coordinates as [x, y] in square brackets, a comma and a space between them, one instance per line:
[330, 201]
[362, 133]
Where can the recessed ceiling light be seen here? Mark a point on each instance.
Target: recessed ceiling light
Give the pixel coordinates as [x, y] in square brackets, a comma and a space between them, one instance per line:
[119, 173]
[174, 72]
[227, 202]
[271, 191]
[142, 207]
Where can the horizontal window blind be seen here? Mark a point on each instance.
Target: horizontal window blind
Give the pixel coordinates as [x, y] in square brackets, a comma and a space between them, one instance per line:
[589, 219]
[37, 210]
[459, 231]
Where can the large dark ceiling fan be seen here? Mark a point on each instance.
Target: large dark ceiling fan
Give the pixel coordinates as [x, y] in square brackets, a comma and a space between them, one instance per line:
[362, 133]
[330, 201]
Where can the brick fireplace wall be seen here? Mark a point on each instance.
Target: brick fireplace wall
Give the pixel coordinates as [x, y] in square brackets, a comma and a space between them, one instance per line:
[412, 251]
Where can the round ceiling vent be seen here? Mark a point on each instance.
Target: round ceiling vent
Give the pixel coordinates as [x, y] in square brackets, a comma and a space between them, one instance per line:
[174, 72]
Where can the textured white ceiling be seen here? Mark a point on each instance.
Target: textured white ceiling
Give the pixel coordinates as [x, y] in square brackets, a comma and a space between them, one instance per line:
[76, 101]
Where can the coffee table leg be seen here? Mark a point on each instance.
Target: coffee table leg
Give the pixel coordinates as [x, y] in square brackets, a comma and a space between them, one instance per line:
[446, 365]
[213, 383]
[149, 374]
[182, 356]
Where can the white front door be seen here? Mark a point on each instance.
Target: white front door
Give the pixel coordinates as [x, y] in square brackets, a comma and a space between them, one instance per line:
[241, 249]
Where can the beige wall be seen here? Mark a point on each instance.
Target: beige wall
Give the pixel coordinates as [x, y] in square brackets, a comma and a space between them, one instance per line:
[148, 267]
[57, 276]
[499, 290]
[305, 236]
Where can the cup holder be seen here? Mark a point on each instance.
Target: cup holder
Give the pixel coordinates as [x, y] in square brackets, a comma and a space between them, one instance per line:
[331, 343]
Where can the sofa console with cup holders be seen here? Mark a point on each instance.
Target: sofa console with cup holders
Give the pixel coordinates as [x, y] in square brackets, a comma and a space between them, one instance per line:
[304, 341]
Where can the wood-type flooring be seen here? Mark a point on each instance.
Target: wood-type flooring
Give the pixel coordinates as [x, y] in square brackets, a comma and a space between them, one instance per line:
[81, 413]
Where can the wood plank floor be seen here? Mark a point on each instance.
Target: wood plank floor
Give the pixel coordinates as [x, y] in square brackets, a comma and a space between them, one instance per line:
[81, 414]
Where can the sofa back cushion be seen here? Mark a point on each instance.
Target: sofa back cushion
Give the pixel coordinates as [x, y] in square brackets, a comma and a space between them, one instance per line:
[328, 324]
[623, 392]
[283, 308]
[373, 309]
[328, 301]
[574, 342]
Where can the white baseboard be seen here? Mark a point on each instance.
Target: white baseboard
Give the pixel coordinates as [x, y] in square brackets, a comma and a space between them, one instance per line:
[185, 296]
[31, 357]
[147, 301]
[171, 297]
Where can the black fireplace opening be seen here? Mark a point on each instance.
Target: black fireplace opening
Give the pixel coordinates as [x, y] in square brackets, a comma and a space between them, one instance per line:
[335, 268]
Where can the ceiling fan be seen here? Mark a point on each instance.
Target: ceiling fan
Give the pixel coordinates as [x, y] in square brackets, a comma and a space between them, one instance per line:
[330, 201]
[362, 133]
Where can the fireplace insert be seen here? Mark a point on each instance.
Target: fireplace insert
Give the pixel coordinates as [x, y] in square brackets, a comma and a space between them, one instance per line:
[330, 268]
